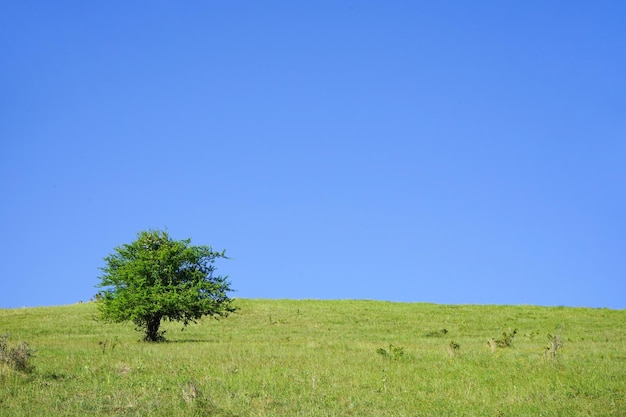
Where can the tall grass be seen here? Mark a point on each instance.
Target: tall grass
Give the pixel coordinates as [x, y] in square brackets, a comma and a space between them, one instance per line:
[323, 358]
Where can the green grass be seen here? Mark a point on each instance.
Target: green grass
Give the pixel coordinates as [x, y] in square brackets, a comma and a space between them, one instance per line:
[322, 358]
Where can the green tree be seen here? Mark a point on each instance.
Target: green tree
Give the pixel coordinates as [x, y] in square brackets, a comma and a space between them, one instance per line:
[156, 278]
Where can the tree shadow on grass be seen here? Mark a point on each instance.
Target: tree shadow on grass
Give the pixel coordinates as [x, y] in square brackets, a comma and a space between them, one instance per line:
[167, 341]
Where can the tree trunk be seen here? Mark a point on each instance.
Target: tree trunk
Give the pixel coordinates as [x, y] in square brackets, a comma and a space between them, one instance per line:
[152, 329]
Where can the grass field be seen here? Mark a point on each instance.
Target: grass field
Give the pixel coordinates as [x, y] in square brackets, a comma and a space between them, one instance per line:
[323, 358]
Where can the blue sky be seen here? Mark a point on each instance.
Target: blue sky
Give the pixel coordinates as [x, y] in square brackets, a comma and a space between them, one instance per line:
[445, 152]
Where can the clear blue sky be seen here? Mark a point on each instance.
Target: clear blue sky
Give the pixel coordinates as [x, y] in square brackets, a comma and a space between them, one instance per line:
[446, 152]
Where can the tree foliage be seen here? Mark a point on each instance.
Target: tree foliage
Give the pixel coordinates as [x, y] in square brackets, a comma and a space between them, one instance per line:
[157, 278]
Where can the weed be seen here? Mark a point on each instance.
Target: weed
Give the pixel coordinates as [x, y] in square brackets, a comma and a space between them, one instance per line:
[110, 344]
[383, 380]
[201, 405]
[190, 392]
[272, 321]
[17, 357]
[394, 352]
[453, 348]
[554, 344]
[502, 342]
[531, 336]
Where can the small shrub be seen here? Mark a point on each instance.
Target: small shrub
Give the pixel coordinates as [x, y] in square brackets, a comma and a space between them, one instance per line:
[554, 344]
[394, 352]
[382, 352]
[502, 342]
[16, 357]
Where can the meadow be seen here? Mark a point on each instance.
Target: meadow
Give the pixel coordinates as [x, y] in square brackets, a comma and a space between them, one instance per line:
[323, 358]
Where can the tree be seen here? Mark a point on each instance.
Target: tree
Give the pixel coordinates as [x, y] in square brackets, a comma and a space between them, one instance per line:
[156, 278]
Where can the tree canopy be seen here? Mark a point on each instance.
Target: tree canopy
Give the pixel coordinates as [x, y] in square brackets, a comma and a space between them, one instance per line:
[157, 278]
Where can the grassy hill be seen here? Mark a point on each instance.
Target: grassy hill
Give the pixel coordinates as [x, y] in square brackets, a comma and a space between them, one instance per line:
[323, 358]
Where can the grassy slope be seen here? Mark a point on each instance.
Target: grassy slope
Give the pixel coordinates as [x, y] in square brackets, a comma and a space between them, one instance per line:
[319, 358]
